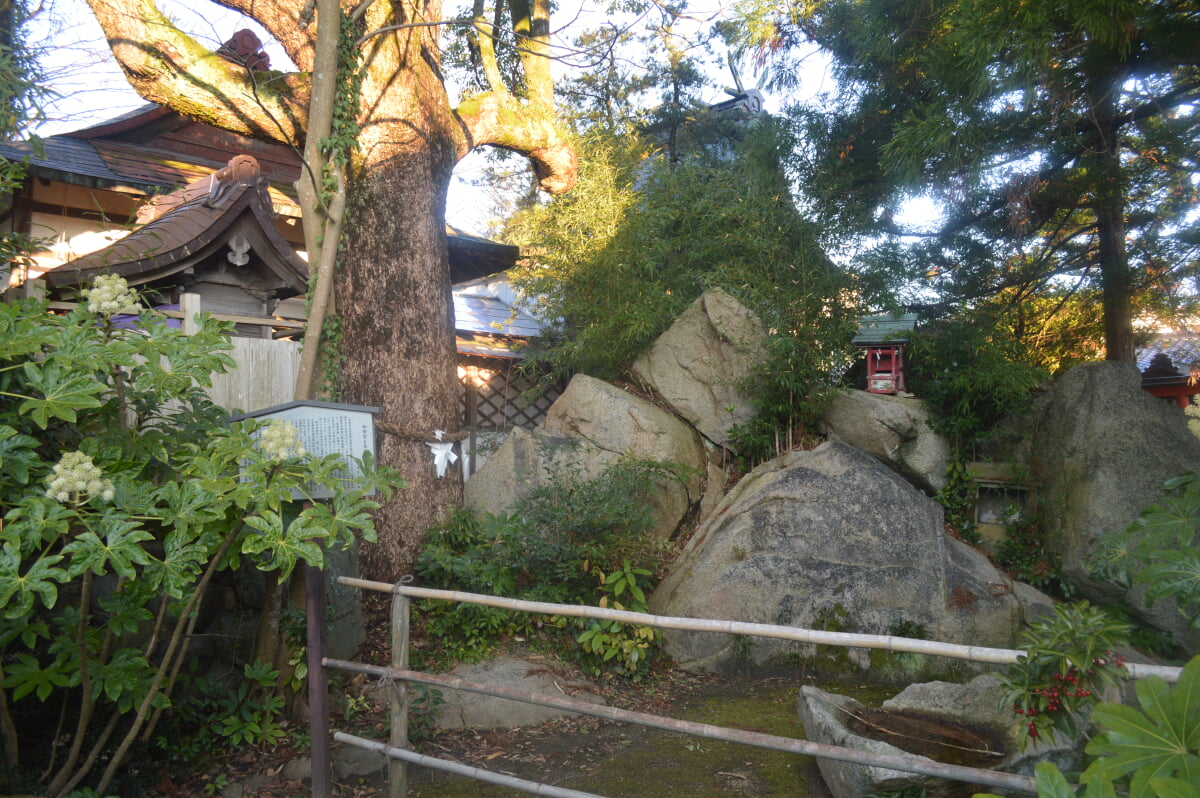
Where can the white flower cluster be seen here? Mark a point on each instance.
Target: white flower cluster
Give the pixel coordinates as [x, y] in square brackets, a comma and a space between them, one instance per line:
[281, 440]
[110, 294]
[77, 478]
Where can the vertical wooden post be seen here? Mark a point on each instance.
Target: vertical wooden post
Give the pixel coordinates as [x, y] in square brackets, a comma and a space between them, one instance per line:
[33, 289]
[318, 684]
[471, 419]
[189, 305]
[398, 769]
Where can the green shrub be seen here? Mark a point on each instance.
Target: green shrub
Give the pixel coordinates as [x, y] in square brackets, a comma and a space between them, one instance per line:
[218, 718]
[1069, 659]
[1160, 549]
[1024, 554]
[561, 539]
[116, 467]
[971, 374]
[1154, 753]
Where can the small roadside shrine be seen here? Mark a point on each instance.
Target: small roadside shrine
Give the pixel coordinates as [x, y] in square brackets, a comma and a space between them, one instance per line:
[883, 339]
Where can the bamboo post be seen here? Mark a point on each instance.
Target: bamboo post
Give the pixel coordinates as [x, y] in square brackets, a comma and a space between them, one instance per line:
[189, 306]
[397, 768]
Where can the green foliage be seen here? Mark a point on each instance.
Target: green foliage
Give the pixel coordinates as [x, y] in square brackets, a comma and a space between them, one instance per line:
[1153, 748]
[996, 110]
[214, 718]
[1068, 659]
[1154, 753]
[640, 240]
[1160, 549]
[562, 538]
[970, 374]
[423, 703]
[615, 646]
[1024, 554]
[118, 468]
[958, 500]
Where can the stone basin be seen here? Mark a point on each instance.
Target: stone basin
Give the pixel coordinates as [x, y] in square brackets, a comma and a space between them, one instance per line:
[960, 724]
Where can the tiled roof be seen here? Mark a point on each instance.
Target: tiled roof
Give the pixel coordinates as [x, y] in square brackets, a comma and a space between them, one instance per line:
[127, 153]
[490, 306]
[1182, 347]
[190, 231]
[889, 326]
[63, 158]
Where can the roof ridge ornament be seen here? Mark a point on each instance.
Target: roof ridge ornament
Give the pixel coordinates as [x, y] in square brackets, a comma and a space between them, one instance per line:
[242, 170]
[244, 48]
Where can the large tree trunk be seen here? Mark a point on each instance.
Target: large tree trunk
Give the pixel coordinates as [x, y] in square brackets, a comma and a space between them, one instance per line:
[1108, 184]
[393, 287]
[393, 294]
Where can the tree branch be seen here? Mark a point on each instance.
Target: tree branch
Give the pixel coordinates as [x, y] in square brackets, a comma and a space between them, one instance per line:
[497, 120]
[166, 66]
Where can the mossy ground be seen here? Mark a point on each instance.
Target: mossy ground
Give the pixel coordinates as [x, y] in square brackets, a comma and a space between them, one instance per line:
[633, 762]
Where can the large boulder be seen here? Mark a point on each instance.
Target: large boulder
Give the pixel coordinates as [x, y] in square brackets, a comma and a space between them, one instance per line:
[832, 539]
[526, 460]
[1103, 448]
[894, 429]
[592, 426]
[698, 365]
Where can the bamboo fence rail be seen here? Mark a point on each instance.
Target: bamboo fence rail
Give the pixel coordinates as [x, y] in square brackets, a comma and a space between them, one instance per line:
[982, 654]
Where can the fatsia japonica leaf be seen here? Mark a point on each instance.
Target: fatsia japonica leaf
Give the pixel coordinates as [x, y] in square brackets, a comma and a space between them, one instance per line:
[1176, 574]
[187, 505]
[27, 675]
[119, 551]
[125, 610]
[25, 328]
[79, 347]
[1158, 743]
[183, 359]
[124, 679]
[62, 393]
[183, 559]
[282, 546]
[1174, 788]
[1160, 549]
[17, 455]
[19, 591]
[35, 522]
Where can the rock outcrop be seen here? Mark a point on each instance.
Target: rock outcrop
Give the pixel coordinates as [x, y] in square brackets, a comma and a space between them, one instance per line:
[894, 429]
[830, 539]
[1102, 448]
[698, 365]
[591, 426]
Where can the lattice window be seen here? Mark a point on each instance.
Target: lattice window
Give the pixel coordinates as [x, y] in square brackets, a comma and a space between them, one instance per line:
[492, 397]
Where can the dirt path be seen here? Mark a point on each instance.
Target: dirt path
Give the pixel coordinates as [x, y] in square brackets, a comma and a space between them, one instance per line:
[626, 761]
